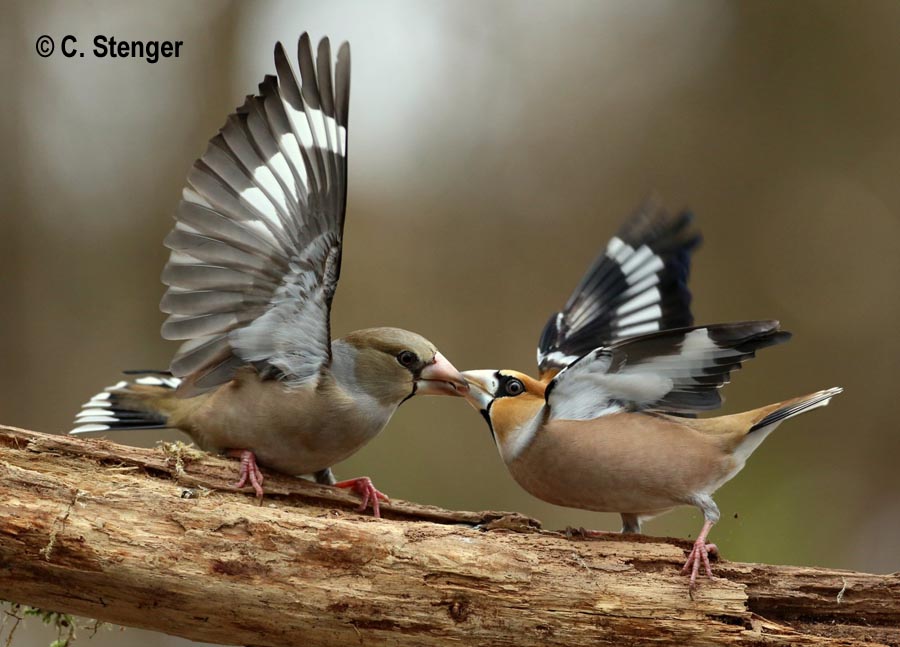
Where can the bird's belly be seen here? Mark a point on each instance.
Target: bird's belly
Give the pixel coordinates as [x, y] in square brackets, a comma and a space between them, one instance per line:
[612, 469]
[302, 438]
[304, 448]
[601, 492]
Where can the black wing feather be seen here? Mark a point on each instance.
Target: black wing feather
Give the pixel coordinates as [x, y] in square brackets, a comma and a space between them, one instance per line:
[637, 285]
[677, 371]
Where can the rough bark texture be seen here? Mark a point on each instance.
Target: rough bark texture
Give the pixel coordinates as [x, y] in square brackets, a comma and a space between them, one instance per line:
[156, 538]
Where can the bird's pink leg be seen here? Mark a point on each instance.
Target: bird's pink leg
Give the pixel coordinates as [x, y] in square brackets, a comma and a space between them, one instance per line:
[249, 470]
[364, 488]
[700, 553]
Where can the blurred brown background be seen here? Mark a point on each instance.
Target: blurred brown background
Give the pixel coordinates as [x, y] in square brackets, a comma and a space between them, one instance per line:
[495, 147]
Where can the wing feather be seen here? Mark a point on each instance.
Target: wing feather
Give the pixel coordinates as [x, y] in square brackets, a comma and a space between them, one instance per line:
[256, 247]
[637, 285]
[216, 252]
[676, 371]
[198, 302]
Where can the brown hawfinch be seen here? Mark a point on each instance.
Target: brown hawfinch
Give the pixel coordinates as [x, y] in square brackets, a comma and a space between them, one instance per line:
[611, 428]
[255, 260]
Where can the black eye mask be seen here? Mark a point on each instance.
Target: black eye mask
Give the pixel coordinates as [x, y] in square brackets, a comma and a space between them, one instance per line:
[509, 387]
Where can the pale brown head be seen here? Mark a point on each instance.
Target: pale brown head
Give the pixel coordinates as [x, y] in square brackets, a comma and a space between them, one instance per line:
[395, 364]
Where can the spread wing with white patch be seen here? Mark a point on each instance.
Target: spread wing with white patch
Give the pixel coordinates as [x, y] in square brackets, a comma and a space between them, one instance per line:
[674, 371]
[256, 248]
[637, 285]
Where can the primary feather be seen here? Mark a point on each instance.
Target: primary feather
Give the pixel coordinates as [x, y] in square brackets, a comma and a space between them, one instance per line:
[637, 285]
[673, 371]
[256, 248]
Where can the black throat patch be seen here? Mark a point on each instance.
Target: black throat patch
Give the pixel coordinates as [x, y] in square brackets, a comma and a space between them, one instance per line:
[486, 414]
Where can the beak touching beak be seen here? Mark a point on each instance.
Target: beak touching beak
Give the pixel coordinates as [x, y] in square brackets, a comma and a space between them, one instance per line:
[441, 378]
[482, 385]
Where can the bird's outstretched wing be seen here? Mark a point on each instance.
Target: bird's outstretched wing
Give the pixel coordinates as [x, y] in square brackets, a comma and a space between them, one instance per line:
[256, 248]
[637, 285]
[673, 371]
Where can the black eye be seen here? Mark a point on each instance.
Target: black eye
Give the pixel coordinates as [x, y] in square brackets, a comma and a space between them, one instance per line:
[514, 387]
[407, 358]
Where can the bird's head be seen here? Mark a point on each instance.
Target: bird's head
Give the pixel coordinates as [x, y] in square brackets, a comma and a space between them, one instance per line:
[393, 365]
[508, 401]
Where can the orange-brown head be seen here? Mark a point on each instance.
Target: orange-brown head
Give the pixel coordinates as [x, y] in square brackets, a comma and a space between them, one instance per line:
[510, 402]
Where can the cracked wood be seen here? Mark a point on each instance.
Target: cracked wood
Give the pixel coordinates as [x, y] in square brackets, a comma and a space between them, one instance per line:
[105, 530]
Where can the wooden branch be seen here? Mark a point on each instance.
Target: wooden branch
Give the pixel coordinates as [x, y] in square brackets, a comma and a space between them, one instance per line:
[156, 538]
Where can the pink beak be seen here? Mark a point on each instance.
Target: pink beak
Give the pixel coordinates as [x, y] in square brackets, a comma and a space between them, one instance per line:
[441, 378]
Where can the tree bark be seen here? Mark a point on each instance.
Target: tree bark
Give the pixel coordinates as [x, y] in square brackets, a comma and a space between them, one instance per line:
[158, 539]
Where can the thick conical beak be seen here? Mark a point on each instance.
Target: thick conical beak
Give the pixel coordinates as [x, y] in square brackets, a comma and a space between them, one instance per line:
[441, 378]
[482, 385]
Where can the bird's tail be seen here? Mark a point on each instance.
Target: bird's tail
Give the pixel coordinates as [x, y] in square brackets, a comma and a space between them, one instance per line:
[139, 403]
[777, 413]
[764, 420]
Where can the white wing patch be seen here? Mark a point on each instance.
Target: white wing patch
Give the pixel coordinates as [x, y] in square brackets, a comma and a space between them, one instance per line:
[639, 329]
[650, 312]
[587, 390]
[288, 143]
[678, 371]
[300, 124]
[644, 297]
[556, 358]
[260, 201]
[636, 286]
[257, 243]
[265, 179]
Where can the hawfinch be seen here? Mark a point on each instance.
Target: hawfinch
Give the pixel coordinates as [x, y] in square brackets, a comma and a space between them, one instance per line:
[611, 429]
[255, 260]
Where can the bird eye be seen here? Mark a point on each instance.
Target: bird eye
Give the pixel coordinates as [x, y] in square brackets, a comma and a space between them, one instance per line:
[514, 387]
[407, 358]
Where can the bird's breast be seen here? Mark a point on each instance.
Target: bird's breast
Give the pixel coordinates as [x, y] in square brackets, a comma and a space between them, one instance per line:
[618, 463]
[296, 430]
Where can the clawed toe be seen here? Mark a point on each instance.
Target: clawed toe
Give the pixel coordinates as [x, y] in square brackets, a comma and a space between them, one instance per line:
[699, 554]
[249, 471]
[364, 487]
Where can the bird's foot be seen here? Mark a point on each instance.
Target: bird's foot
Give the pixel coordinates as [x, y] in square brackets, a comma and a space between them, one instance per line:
[699, 554]
[370, 495]
[249, 471]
